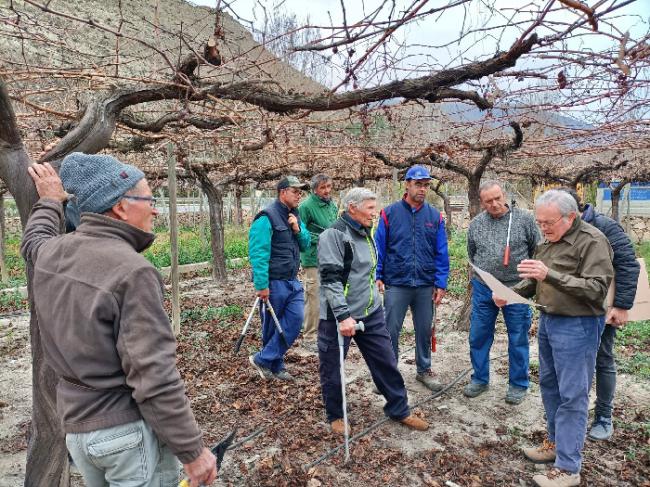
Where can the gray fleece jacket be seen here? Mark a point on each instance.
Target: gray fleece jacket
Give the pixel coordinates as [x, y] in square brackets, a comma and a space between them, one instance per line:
[347, 261]
[104, 329]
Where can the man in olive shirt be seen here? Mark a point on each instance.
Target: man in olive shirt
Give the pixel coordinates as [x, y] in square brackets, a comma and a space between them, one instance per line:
[570, 274]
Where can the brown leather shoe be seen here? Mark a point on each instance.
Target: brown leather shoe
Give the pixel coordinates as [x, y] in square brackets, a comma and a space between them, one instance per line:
[415, 423]
[338, 427]
[545, 453]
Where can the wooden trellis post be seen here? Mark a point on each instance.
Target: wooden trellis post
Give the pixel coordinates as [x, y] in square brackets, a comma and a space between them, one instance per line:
[173, 238]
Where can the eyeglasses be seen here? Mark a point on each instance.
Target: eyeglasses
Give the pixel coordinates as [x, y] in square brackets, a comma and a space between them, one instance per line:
[547, 224]
[150, 199]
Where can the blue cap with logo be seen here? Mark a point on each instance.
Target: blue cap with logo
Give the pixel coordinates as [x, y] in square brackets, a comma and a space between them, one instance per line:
[417, 172]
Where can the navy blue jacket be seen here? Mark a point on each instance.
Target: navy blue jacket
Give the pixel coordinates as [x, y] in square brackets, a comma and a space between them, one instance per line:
[626, 267]
[412, 246]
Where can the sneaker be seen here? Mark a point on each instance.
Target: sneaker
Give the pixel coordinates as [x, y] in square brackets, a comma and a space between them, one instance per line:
[601, 429]
[557, 478]
[284, 375]
[265, 373]
[516, 395]
[545, 453]
[474, 389]
[338, 426]
[415, 423]
[426, 378]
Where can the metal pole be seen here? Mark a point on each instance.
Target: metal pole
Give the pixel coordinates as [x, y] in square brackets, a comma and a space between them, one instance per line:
[173, 238]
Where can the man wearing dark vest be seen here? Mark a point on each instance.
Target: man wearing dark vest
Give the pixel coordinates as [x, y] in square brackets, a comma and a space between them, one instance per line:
[413, 267]
[275, 240]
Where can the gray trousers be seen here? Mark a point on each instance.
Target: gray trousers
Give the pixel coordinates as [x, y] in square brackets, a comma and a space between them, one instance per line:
[397, 300]
[128, 455]
[606, 373]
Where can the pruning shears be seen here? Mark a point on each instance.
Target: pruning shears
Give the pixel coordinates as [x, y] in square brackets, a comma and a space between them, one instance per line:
[218, 450]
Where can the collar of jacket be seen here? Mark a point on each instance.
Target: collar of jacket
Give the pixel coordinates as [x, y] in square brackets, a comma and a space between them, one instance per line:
[285, 209]
[589, 213]
[409, 207]
[107, 227]
[572, 233]
[319, 200]
[355, 225]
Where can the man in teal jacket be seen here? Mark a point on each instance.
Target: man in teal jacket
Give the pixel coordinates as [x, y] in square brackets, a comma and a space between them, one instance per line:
[275, 240]
[317, 212]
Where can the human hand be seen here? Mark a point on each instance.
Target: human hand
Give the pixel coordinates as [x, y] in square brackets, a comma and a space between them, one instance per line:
[346, 327]
[263, 294]
[499, 301]
[47, 181]
[203, 470]
[438, 294]
[293, 223]
[532, 269]
[380, 286]
[617, 317]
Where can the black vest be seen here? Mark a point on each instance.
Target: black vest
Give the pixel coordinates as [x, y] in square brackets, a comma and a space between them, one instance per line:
[285, 252]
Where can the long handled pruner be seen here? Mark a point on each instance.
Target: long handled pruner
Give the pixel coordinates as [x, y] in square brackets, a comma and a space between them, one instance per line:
[277, 323]
[240, 340]
[506, 254]
[218, 450]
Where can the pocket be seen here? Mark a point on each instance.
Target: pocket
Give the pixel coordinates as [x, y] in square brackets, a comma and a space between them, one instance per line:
[121, 451]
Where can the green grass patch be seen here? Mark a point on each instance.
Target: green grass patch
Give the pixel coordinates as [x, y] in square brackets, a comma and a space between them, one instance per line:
[457, 284]
[633, 349]
[210, 313]
[14, 261]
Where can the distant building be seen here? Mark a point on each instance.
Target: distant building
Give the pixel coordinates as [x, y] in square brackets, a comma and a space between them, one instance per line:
[634, 195]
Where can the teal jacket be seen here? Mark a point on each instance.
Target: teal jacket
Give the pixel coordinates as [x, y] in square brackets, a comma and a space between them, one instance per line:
[317, 215]
[259, 249]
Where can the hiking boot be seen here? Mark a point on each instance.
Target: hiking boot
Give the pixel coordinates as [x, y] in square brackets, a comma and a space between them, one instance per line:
[516, 395]
[265, 373]
[545, 453]
[557, 478]
[426, 378]
[338, 426]
[601, 428]
[474, 389]
[415, 423]
[284, 375]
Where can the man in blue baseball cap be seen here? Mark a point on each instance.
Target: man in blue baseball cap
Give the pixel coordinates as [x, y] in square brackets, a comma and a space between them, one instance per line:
[413, 267]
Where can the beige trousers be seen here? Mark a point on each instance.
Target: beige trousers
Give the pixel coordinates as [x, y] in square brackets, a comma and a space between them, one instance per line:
[312, 303]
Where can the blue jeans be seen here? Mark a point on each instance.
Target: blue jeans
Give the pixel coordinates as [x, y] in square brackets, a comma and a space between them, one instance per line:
[127, 455]
[567, 359]
[606, 373]
[420, 299]
[481, 336]
[288, 301]
[375, 346]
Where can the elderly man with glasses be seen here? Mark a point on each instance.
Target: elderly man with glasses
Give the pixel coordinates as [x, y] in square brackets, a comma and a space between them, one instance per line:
[275, 240]
[570, 274]
[105, 331]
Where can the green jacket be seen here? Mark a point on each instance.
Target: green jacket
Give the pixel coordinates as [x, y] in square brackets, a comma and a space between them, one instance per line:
[317, 215]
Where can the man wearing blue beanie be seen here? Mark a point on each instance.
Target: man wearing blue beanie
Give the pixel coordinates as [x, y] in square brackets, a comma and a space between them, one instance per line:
[105, 331]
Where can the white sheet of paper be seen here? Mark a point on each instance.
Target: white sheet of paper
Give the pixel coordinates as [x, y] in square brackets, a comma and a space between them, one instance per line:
[500, 290]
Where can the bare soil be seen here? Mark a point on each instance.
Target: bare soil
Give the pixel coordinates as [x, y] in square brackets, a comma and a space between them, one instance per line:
[471, 442]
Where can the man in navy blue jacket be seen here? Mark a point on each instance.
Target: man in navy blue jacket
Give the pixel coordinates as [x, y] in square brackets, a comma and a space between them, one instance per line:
[413, 266]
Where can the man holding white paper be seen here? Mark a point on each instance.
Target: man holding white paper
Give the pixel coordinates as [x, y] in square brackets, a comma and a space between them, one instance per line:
[570, 274]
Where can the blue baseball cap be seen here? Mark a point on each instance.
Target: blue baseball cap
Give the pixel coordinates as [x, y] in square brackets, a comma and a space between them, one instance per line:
[417, 172]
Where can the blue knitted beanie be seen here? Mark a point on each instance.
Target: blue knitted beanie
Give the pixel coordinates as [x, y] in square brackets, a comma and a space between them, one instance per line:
[97, 181]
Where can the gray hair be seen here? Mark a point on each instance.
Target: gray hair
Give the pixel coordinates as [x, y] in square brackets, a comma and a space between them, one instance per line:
[563, 200]
[356, 196]
[490, 183]
[318, 179]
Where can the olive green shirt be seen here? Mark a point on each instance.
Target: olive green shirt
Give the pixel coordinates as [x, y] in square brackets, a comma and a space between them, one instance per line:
[580, 271]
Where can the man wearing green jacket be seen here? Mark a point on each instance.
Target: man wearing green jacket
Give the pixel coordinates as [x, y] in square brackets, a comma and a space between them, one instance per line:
[275, 240]
[317, 212]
